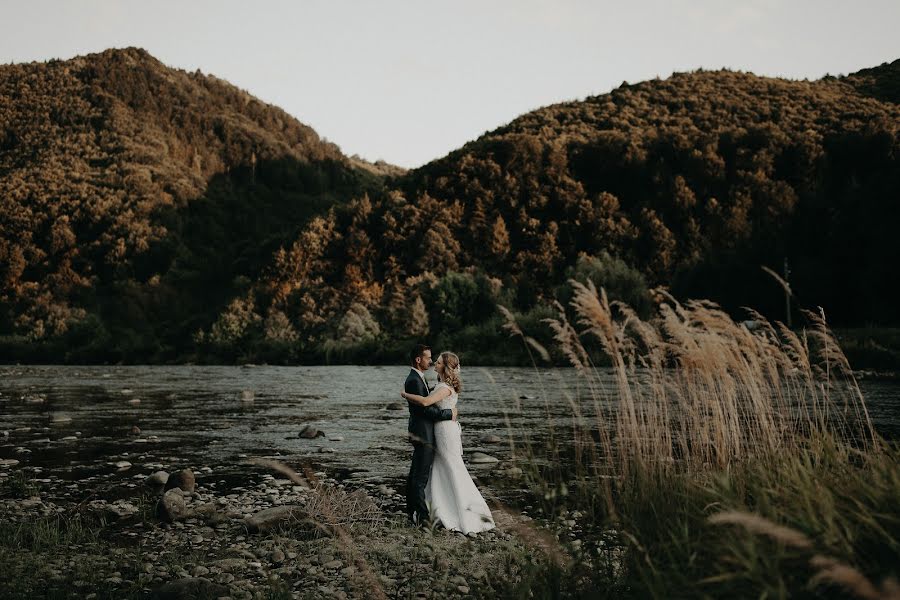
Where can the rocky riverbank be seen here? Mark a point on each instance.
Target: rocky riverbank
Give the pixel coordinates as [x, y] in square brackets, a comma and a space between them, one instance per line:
[249, 531]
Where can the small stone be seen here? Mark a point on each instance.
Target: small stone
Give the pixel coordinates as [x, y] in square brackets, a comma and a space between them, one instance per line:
[395, 406]
[120, 509]
[334, 564]
[277, 556]
[491, 439]
[384, 490]
[231, 564]
[247, 396]
[482, 458]
[122, 465]
[309, 432]
[190, 587]
[135, 430]
[324, 450]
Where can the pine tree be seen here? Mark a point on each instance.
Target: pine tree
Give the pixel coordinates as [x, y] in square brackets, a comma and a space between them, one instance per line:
[418, 318]
[478, 222]
[499, 244]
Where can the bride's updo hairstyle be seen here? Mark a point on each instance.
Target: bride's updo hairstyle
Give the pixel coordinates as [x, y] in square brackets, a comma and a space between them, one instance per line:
[451, 371]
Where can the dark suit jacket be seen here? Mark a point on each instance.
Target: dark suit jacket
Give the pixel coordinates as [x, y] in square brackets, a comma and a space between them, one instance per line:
[422, 418]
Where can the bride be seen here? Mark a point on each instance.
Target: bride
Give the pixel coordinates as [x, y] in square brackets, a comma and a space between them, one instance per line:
[453, 499]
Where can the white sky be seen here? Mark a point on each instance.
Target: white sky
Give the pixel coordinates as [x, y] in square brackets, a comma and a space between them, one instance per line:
[409, 81]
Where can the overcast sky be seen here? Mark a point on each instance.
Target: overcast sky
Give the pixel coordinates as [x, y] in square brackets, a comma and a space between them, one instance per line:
[409, 81]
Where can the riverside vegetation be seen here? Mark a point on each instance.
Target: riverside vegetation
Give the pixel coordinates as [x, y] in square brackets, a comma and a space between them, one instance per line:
[726, 464]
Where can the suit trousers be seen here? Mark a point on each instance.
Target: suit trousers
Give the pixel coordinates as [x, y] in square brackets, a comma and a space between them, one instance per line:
[419, 471]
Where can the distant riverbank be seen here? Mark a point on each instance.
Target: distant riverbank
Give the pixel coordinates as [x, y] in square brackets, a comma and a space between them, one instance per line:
[872, 351]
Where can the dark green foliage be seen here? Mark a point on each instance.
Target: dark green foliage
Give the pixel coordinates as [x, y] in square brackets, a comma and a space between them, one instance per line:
[620, 281]
[458, 300]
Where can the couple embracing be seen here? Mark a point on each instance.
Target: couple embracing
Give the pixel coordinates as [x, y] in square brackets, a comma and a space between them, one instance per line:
[439, 488]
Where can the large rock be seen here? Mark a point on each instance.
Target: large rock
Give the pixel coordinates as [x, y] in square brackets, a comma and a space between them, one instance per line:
[190, 588]
[271, 518]
[171, 507]
[183, 480]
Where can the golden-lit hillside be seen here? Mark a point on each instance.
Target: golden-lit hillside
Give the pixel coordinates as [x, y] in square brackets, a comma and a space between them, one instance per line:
[177, 213]
[93, 151]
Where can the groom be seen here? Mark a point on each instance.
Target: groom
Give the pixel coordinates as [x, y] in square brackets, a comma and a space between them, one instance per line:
[421, 434]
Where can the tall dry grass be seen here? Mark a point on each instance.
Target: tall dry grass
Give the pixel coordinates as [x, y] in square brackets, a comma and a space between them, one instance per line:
[711, 416]
[697, 389]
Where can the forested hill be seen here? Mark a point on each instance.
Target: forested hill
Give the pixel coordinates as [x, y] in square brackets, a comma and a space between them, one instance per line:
[696, 180]
[693, 182]
[881, 82]
[137, 197]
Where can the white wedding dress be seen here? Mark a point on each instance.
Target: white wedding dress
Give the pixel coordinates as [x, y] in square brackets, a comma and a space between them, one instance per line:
[453, 500]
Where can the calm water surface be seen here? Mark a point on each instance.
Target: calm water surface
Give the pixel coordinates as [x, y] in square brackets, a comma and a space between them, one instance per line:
[75, 421]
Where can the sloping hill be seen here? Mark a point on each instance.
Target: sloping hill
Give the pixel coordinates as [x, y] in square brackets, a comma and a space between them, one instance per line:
[115, 168]
[151, 214]
[695, 181]
[881, 82]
